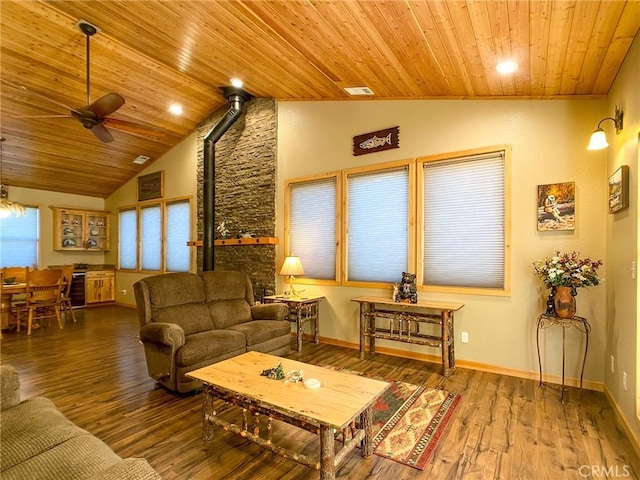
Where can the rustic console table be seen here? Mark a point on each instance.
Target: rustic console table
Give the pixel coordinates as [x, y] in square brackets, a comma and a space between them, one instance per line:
[579, 323]
[301, 311]
[404, 321]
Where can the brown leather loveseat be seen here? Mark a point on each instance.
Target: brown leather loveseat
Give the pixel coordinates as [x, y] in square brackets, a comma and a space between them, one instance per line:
[188, 321]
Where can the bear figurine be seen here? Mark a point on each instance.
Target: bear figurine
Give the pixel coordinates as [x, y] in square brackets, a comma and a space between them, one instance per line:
[408, 287]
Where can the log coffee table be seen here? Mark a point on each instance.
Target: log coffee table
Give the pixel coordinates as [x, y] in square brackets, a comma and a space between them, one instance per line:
[341, 399]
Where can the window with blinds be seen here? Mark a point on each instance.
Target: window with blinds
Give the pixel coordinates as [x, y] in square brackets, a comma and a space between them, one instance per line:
[377, 225]
[312, 220]
[128, 240]
[141, 232]
[19, 237]
[178, 231]
[464, 221]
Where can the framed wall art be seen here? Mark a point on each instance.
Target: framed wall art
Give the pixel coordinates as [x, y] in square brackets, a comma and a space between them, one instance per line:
[619, 189]
[151, 186]
[557, 207]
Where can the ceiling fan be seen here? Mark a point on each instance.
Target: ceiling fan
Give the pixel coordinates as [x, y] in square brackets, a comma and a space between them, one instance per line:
[95, 116]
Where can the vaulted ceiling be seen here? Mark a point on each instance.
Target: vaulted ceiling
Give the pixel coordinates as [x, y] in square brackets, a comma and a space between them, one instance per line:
[155, 53]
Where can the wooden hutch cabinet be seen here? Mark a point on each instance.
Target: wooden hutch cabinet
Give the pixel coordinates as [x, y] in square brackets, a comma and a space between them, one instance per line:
[77, 229]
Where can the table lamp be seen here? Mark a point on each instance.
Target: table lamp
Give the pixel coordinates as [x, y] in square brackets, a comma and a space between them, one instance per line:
[291, 267]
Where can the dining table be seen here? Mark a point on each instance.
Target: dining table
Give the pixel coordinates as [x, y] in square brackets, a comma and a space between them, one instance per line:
[7, 291]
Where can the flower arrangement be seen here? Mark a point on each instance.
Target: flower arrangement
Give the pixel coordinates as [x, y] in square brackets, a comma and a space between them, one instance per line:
[567, 270]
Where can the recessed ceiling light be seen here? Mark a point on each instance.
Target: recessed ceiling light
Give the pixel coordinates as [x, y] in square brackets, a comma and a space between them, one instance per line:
[506, 67]
[359, 91]
[175, 109]
[236, 82]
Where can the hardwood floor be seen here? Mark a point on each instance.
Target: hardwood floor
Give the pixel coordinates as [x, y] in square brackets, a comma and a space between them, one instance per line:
[505, 427]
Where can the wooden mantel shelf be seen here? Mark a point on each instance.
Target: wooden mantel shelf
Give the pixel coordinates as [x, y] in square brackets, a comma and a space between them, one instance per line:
[235, 242]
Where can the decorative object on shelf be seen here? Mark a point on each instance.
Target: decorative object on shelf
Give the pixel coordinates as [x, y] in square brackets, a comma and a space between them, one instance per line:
[563, 273]
[68, 242]
[244, 233]
[395, 296]
[68, 231]
[7, 207]
[599, 138]
[619, 189]
[556, 206]
[222, 230]
[275, 373]
[291, 267]
[376, 141]
[151, 186]
[91, 243]
[408, 288]
[100, 224]
[94, 232]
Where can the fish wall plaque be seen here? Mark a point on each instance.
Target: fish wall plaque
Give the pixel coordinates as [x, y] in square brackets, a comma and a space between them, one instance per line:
[376, 141]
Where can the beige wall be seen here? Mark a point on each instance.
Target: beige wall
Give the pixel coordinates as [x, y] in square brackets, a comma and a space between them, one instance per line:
[549, 141]
[44, 200]
[180, 170]
[622, 245]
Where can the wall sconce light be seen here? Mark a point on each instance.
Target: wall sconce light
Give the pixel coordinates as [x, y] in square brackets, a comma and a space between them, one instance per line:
[291, 267]
[599, 138]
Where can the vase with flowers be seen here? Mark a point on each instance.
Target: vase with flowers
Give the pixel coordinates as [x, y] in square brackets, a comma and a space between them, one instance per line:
[563, 273]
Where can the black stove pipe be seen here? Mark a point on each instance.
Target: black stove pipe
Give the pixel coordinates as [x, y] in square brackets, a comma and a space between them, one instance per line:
[237, 97]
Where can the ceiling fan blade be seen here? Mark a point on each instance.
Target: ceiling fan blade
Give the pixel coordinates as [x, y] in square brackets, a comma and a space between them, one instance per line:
[106, 105]
[44, 97]
[40, 116]
[101, 132]
[136, 129]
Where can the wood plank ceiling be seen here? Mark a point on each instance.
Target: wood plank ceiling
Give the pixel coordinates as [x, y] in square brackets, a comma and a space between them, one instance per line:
[155, 52]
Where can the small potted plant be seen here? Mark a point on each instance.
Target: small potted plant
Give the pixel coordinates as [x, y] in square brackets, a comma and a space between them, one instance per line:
[563, 273]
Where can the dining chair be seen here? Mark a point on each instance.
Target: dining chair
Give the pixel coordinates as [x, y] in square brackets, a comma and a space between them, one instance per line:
[15, 275]
[42, 299]
[65, 298]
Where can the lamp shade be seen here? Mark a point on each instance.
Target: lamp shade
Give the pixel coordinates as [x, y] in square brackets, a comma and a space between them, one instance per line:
[598, 140]
[292, 266]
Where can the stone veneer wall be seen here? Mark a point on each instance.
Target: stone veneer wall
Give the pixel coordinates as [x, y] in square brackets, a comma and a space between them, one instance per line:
[245, 196]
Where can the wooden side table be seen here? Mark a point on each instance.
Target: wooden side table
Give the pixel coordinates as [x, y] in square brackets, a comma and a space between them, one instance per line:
[301, 311]
[579, 323]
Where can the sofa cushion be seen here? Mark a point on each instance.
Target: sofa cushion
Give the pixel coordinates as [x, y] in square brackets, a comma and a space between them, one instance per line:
[208, 345]
[171, 289]
[227, 285]
[225, 313]
[193, 318]
[32, 427]
[77, 458]
[258, 331]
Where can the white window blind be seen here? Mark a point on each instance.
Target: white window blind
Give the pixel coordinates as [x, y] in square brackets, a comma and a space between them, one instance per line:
[312, 226]
[128, 239]
[178, 232]
[19, 240]
[151, 237]
[378, 225]
[464, 221]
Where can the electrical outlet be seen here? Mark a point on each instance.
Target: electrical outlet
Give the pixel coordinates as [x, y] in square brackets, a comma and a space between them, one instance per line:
[464, 337]
[612, 363]
[123, 291]
[624, 381]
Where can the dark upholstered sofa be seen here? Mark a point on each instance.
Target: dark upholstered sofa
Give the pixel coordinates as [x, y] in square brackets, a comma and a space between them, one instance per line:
[189, 321]
[40, 443]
